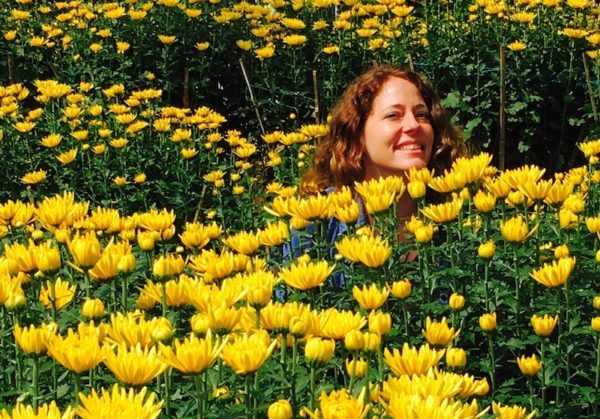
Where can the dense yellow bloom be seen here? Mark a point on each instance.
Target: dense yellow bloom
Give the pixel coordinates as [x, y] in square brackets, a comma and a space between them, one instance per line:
[167, 39]
[341, 404]
[456, 301]
[304, 276]
[379, 194]
[168, 266]
[370, 250]
[85, 249]
[442, 213]
[192, 355]
[407, 405]
[76, 352]
[294, 40]
[318, 350]
[33, 340]
[439, 333]
[160, 221]
[529, 366]
[128, 404]
[51, 141]
[93, 308]
[265, 52]
[243, 242]
[450, 181]
[247, 353]
[486, 250]
[44, 411]
[412, 361]
[543, 326]
[511, 412]
[274, 234]
[46, 257]
[558, 192]
[134, 365]
[579, 4]
[335, 324]
[130, 329]
[51, 89]
[58, 293]
[33, 178]
[554, 274]
[370, 297]
[514, 230]
[517, 46]
[314, 206]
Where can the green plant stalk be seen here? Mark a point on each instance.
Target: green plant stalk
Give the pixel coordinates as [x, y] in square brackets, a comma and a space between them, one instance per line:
[380, 363]
[255, 392]
[199, 396]
[567, 355]
[35, 385]
[405, 315]
[597, 381]
[167, 392]
[77, 387]
[368, 387]
[530, 385]
[492, 361]
[293, 377]
[124, 293]
[86, 283]
[313, 403]
[486, 278]
[163, 298]
[247, 396]
[543, 356]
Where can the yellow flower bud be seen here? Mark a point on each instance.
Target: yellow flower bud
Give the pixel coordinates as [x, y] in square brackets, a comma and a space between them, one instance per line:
[596, 324]
[416, 189]
[354, 341]
[356, 367]
[401, 289]
[372, 341]
[529, 366]
[380, 323]
[281, 409]
[596, 302]
[456, 302]
[93, 308]
[456, 358]
[318, 350]
[561, 251]
[487, 322]
[486, 250]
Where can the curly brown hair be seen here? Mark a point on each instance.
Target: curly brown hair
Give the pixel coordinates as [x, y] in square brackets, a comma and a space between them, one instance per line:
[338, 156]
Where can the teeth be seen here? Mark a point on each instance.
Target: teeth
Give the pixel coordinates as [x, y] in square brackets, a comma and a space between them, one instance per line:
[409, 147]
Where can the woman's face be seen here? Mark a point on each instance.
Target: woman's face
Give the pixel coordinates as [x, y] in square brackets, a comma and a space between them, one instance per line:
[398, 134]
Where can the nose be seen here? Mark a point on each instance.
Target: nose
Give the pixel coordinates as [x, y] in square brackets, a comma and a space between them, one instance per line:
[410, 122]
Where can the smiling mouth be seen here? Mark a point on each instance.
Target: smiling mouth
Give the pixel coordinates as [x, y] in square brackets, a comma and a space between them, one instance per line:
[408, 147]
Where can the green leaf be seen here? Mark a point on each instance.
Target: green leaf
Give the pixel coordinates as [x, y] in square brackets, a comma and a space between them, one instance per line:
[452, 100]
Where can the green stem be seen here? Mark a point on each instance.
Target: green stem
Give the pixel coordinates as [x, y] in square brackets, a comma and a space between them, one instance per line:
[530, 384]
[255, 392]
[77, 383]
[293, 377]
[247, 396]
[199, 396]
[124, 293]
[34, 384]
[559, 342]
[486, 278]
[163, 298]
[492, 361]
[167, 391]
[86, 282]
[313, 403]
[543, 352]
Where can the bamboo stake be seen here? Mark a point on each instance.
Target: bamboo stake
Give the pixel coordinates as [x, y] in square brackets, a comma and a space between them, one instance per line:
[10, 68]
[590, 89]
[502, 116]
[186, 87]
[409, 59]
[316, 91]
[254, 103]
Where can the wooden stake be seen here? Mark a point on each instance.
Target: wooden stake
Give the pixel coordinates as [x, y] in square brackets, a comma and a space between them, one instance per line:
[316, 91]
[409, 59]
[590, 89]
[502, 116]
[254, 103]
[186, 87]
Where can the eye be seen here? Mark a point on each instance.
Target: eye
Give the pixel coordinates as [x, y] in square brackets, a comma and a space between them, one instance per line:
[392, 115]
[423, 115]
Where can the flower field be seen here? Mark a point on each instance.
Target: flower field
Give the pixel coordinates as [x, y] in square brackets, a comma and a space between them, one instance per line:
[157, 258]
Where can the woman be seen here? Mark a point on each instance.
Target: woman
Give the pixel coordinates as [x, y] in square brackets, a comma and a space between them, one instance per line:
[386, 122]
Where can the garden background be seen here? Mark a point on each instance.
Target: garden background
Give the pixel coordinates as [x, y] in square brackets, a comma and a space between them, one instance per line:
[173, 134]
